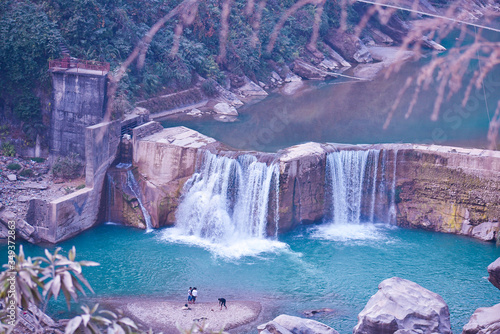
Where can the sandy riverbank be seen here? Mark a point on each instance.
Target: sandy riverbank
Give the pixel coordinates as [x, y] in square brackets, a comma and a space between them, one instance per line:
[167, 316]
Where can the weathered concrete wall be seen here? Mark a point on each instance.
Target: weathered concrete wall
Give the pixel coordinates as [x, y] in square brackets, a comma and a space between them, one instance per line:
[78, 102]
[67, 216]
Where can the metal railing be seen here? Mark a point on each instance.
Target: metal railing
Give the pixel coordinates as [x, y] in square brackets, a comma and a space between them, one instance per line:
[69, 63]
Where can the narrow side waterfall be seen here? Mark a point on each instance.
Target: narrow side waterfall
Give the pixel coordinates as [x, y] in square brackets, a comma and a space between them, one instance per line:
[392, 209]
[134, 187]
[348, 173]
[230, 200]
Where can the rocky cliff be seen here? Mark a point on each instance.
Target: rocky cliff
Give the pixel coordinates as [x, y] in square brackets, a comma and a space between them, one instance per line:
[444, 189]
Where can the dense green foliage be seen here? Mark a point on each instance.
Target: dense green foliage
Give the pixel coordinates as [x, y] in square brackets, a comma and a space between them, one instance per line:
[32, 32]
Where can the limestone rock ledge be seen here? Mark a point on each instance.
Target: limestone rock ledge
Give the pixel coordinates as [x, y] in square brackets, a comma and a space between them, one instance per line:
[403, 306]
[494, 271]
[287, 324]
[485, 320]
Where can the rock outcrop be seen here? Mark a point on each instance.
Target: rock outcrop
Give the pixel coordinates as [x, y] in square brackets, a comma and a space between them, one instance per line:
[349, 46]
[310, 72]
[451, 190]
[165, 159]
[485, 320]
[437, 188]
[286, 324]
[302, 169]
[401, 306]
[494, 271]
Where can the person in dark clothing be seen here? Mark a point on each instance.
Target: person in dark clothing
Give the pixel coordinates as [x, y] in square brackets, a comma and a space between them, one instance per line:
[222, 302]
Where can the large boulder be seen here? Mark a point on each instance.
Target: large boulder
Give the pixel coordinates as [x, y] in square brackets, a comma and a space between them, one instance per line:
[494, 271]
[295, 325]
[349, 46]
[485, 320]
[486, 231]
[225, 109]
[272, 327]
[403, 306]
[309, 71]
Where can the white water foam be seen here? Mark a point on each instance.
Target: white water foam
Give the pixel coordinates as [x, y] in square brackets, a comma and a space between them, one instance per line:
[348, 232]
[225, 207]
[228, 249]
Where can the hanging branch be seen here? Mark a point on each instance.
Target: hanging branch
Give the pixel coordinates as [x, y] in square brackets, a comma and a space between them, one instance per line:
[224, 31]
[494, 129]
[187, 6]
[256, 23]
[316, 25]
[289, 12]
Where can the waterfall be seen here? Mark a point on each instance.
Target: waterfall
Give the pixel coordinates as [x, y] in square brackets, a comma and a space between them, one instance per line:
[392, 209]
[229, 199]
[134, 187]
[349, 174]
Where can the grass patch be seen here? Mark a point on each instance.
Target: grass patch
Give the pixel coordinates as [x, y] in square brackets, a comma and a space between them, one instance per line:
[35, 159]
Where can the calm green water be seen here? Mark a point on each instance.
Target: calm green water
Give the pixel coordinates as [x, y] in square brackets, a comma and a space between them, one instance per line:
[338, 267]
[346, 111]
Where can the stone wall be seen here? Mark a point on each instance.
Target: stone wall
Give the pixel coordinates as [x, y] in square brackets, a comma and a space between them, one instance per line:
[78, 102]
[69, 215]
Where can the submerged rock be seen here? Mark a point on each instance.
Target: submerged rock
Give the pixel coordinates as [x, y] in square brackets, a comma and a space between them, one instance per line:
[295, 325]
[314, 312]
[494, 271]
[403, 306]
[485, 320]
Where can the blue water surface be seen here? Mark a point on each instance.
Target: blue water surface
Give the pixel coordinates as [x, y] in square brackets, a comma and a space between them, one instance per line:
[337, 267]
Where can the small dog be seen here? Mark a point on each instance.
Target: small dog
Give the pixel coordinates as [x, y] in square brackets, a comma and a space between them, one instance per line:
[222, 302]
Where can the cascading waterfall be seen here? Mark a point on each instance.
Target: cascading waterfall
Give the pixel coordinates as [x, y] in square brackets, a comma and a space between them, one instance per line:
[356, 193]
[134, 187]
[345, 172]
[229, 199]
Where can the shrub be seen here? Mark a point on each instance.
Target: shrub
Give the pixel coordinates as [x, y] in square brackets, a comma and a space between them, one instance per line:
[208, 87]
[81, 186]
[69, 167]
[8, 149]
[14, 166]
[27, 173]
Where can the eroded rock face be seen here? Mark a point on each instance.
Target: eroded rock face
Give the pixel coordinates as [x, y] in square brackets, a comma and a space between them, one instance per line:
[402, 305]
[349, 46]
[285, 324]
[308, 71]
[494, 271]
[485, 320]
[302, 191]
